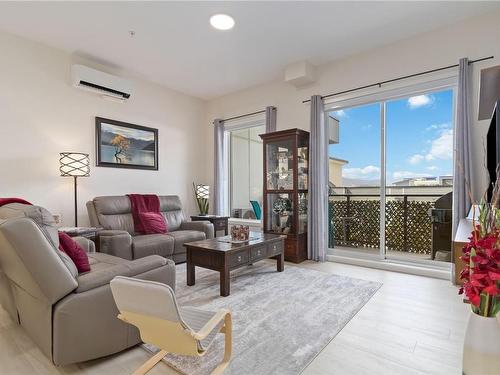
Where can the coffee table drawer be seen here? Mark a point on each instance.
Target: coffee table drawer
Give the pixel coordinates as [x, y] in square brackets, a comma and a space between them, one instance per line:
[239, 258]
[259, 252]
[275, 248]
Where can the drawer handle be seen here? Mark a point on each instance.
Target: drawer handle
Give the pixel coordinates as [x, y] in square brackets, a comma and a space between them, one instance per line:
[239, 258]
[258, 252]
[274, 247]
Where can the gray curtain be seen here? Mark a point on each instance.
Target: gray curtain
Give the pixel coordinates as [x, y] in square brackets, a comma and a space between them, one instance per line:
[318, 183]
[270, 119]
[218, 189]
[462, 161]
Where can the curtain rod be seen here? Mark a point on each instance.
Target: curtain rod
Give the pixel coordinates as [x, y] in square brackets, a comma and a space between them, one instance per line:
[240, 116]
[379, 84]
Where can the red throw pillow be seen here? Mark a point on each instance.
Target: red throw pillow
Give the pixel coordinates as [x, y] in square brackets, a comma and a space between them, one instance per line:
[153, 222]
[75, 252]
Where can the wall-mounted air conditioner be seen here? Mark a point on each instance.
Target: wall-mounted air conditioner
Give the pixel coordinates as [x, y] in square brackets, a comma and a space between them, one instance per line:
[100, 83]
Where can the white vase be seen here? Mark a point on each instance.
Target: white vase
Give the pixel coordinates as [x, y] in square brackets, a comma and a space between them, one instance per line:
[482, 346]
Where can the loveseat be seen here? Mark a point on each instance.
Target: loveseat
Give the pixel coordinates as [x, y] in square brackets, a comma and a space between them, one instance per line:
[114, 215]
[71, 317]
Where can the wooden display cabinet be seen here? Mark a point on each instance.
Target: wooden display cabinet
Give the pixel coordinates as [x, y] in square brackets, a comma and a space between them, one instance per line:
[286, 180]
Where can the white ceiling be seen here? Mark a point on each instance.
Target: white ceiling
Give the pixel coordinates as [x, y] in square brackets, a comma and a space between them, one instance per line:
[175, 46]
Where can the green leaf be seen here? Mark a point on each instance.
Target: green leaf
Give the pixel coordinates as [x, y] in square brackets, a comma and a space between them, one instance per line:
[495, 307]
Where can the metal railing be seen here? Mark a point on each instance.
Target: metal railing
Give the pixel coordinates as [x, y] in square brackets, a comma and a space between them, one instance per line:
[354, 221]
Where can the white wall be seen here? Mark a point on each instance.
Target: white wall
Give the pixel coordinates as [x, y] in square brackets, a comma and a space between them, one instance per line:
[473, 38]
[42, 115]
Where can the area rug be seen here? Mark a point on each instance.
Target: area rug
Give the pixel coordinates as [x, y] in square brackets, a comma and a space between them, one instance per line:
[281, 320]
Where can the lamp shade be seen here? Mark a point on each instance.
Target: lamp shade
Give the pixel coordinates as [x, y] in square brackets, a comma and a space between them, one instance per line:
[74, 164]
[202, 191]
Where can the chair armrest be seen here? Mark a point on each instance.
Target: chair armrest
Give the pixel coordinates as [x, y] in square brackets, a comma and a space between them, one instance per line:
[221, 315]
[202, 226]
[95, 279]
[116, 242]
[86, 244]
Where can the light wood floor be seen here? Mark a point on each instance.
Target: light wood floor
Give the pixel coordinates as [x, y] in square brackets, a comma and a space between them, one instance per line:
[413, 325]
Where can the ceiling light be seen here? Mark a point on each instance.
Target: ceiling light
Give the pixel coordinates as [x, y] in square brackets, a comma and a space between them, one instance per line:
[222, 21]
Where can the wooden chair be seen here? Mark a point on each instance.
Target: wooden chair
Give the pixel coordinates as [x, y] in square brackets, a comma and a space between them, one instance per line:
[152, 308]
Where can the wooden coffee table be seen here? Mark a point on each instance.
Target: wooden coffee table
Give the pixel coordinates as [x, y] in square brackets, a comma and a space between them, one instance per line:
[218, 254]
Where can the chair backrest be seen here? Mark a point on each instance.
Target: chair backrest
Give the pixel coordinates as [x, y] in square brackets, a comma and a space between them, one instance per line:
[31, 262]
[145, 297]
[152, 307]
[37, 276]
[115, 212]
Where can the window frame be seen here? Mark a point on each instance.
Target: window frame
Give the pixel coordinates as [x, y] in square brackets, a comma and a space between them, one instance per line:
[244, 123]
[399, 90]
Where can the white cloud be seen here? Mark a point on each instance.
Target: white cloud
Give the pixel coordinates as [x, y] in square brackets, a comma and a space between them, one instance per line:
[399, 175]
[420, 101]
[442, 146]
[415, 159]
[366, 127]
[370, 171]
[339, 114]
[432, 168]
[445, 125]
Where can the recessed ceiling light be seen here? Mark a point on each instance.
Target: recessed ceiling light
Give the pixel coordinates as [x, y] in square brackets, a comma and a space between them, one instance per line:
[222, 21]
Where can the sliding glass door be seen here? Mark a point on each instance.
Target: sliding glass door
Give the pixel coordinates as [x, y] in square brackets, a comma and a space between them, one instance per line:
[391, 178]
[355, 179]
[419, 160]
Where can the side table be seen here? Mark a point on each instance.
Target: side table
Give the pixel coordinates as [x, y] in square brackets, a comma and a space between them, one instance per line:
[219, 222]
[90, 233]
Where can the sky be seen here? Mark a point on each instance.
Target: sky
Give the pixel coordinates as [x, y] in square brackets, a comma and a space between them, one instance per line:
[128, 132]
[419, 138]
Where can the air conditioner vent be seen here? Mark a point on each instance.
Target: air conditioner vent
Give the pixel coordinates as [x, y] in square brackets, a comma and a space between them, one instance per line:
[105, 89]
[100, 82]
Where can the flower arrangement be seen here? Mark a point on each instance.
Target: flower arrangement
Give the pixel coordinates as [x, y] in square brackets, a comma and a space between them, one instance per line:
[481, 255]
[282, 205]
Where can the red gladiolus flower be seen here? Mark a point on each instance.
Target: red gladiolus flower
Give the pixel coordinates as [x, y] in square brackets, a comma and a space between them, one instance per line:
[492, 290]
[481, 274]
[475, 299]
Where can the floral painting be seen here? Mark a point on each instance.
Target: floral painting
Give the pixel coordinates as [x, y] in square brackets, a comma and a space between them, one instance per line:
[124, 145]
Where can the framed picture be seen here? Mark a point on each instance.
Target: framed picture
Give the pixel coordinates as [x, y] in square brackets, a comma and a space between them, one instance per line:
[123, 145]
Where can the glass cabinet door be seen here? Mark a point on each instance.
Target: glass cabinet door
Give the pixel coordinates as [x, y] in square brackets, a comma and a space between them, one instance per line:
[280, 213]
[302, 164]
[279, 168]
[302, 210]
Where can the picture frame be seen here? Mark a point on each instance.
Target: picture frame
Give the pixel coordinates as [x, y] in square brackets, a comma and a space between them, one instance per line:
[124, 145]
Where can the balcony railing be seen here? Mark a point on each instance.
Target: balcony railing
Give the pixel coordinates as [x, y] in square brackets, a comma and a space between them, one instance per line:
[354, 221]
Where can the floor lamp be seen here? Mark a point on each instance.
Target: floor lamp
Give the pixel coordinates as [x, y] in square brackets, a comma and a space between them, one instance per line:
[74, 164]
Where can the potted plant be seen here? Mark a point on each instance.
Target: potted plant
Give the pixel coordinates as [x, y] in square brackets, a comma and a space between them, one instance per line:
[481, 278]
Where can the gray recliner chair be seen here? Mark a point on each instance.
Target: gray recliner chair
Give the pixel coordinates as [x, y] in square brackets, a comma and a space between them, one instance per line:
[71, 317]
[114, 215]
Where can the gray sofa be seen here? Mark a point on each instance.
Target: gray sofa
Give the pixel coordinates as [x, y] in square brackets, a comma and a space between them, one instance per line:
[114, 215]
[71, 317]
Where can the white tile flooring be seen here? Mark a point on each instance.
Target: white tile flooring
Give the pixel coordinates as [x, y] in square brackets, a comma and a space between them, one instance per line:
[413, 325]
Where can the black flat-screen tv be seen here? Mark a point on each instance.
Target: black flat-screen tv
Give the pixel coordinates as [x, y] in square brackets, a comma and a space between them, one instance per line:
[493, 148]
